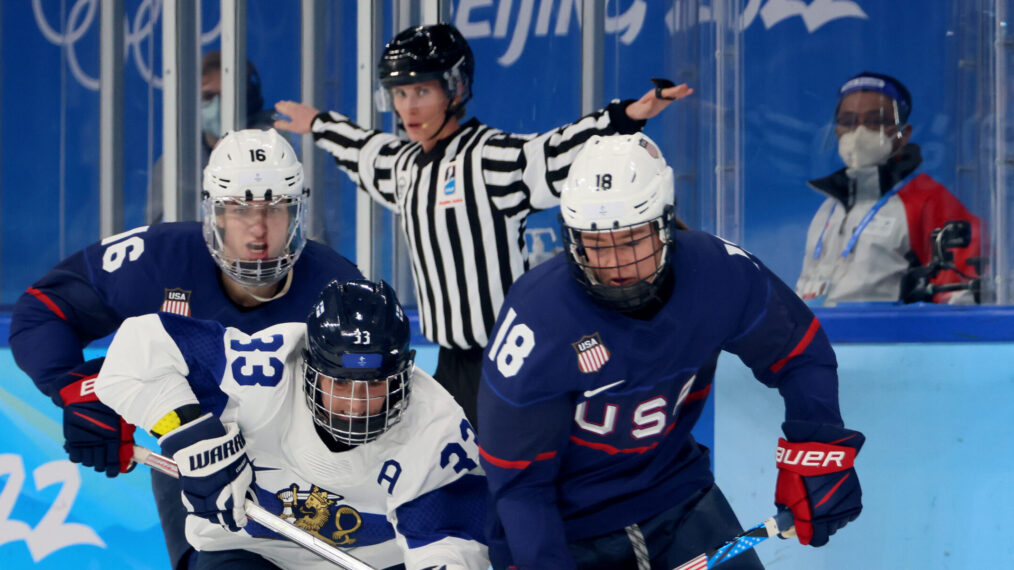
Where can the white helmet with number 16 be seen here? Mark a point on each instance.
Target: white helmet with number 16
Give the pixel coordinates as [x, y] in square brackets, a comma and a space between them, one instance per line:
[616, 209]
[253, 206]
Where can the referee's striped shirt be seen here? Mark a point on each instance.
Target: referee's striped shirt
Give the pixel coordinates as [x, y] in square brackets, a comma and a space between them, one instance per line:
[463, 206]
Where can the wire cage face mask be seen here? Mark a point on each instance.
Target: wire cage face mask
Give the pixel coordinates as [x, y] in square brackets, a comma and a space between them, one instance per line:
[621, 268]
[257, 242]
[356, 411]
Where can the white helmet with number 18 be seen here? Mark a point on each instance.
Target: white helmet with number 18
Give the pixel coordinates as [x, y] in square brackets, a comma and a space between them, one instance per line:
[253, 206]
[616, 209]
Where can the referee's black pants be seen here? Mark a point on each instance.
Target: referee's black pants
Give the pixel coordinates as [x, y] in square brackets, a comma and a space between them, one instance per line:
[458, 371]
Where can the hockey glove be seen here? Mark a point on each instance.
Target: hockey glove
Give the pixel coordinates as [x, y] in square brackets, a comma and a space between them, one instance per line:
[816, 479]
[95, 435]
[215, 474]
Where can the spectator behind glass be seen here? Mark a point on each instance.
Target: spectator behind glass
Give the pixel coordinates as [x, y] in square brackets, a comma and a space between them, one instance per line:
[211, 126]
[877, 223]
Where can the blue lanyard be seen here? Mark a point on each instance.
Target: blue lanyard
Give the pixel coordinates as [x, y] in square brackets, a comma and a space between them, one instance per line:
[859, 229]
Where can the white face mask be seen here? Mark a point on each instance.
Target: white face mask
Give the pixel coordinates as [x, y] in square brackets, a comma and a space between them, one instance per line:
[862, 147]
[211, 116]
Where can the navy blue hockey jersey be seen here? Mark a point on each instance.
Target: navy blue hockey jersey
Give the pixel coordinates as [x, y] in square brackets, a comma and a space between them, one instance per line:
[586, 413]
[165, 267]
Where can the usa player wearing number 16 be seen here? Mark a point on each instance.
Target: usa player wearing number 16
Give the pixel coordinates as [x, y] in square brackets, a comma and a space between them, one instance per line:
[600, 364]
[326, 423]
[247, 266]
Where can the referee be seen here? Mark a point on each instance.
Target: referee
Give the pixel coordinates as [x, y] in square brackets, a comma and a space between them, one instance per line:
[463, 189]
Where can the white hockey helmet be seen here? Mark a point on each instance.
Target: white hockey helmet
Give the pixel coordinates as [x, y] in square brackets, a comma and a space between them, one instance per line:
[254, 175]
[616, 184]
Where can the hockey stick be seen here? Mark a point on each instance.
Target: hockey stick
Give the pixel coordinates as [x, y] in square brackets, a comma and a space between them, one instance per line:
[260, 515]
[743, 542]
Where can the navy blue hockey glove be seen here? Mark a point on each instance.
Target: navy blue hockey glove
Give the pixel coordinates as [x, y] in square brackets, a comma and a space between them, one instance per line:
[95, 435]
[816, 480]
[215, 474]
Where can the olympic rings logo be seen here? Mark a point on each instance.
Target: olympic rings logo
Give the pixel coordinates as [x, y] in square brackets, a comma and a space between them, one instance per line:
[136, 35]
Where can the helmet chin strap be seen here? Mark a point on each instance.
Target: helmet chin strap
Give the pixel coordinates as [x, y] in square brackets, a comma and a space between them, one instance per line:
[451, 110]
[447, 117]
[281, 292]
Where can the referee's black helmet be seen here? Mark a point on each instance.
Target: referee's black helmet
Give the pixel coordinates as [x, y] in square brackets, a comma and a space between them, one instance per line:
[424, 53]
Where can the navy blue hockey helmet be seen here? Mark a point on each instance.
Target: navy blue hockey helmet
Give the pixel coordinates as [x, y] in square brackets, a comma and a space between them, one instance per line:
[358, 364]
[425, 53]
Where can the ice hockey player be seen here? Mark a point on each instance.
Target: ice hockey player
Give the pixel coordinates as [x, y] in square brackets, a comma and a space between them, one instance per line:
[325, 422]
[261, 270]
[600, 364]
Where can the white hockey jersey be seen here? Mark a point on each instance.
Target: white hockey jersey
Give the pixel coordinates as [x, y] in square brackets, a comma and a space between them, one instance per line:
[415, 495]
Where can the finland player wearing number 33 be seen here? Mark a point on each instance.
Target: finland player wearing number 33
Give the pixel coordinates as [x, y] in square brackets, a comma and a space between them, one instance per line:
[599, 367]
[261, 271]
[326, 423]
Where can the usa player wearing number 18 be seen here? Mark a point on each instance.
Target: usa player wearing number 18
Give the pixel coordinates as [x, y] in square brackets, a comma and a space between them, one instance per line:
[600, 364]
[261, 271]
[327, 424]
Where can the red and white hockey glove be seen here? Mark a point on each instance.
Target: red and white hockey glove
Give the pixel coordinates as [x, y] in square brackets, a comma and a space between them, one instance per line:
[95, 435]
[816, 480]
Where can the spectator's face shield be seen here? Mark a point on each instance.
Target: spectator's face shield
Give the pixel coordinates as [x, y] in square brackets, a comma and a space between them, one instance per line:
[869, 109]
[868, 127]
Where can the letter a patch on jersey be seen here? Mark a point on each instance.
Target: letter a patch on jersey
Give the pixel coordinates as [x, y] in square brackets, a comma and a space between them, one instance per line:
[591, 353]
[176, 301]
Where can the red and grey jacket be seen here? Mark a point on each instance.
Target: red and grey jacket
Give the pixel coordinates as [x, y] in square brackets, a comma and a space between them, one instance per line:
[874, 227]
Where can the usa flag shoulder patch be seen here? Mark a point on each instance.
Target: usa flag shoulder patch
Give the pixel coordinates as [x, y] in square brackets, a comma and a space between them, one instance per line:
[591, 353]
[177, 301]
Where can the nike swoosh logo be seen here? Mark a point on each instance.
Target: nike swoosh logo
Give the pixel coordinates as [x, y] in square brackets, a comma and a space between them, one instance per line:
[590, 393]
